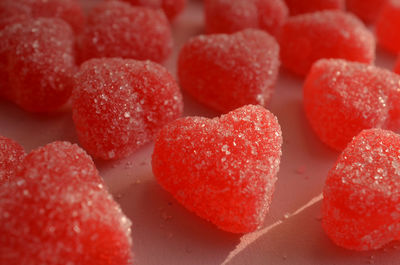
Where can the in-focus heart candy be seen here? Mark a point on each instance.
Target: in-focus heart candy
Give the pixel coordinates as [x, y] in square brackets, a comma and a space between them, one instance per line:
[307, 38]
[11, 155]
[228, 71]
[223, 169]
[119, 105]
[361, 205]
[56, 210]
[343, 98]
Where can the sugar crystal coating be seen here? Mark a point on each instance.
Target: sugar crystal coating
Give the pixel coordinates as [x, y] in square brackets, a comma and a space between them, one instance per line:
[223, 169]
[367, 10]
[120, 104]
[327, 34]
[57, 211]
[228, 71]
[297, 7]
[37, 63]
[117, 29]
[11, 156]
[171, 8]
[388, 26]
[343, 98]
[225, 16]
[12, 11]
[361, 205]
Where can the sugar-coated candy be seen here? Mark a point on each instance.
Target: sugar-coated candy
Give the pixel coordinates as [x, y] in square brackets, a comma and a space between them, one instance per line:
[11, 155]
[343, 98]
[388, 26]
[327, 34]
[225, 16]
[223, 169]
[361, 206]
[367, 10]
[12, 11]
[120, 104]
[297, 7]
[37, 63]
[228, 71]
[117, 29]
[58, 211]
[171, 8]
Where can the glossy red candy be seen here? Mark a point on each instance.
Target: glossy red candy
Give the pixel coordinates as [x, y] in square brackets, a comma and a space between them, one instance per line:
[120, 104]
[223, 169]
[224, 16]
[228, 71]
[57, 211]
[11, 155]
[37, 63]
[117, 29]
[343, 98]
[297, 7]
[326, 34]
[361, 203]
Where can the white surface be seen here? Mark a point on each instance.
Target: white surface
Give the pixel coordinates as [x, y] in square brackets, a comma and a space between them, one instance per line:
[165, 233]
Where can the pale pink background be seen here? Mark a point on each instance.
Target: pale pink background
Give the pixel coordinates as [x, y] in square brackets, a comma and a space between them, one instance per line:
[164, 233]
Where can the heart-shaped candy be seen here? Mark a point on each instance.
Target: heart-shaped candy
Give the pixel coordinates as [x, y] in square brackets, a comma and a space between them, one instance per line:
[223, 169]
[361, 206]
[56, 210]
[120, 104]
[342, 98]
[229, 71]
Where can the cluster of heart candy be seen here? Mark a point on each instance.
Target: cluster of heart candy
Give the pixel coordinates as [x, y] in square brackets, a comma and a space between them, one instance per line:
[54, 207]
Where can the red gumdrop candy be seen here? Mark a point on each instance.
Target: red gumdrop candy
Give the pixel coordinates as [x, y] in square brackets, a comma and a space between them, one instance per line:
[388, 26]
[343, 98]
[11, 155]
[327, 34]
[229, 71]
[223, 169]
[361, 206]
[297, 7]
[57, 211]
[12, 11]
[117, 29]
[223, 16]
[120, 104]
[171, 8]
[37, 63]
[367, 10]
